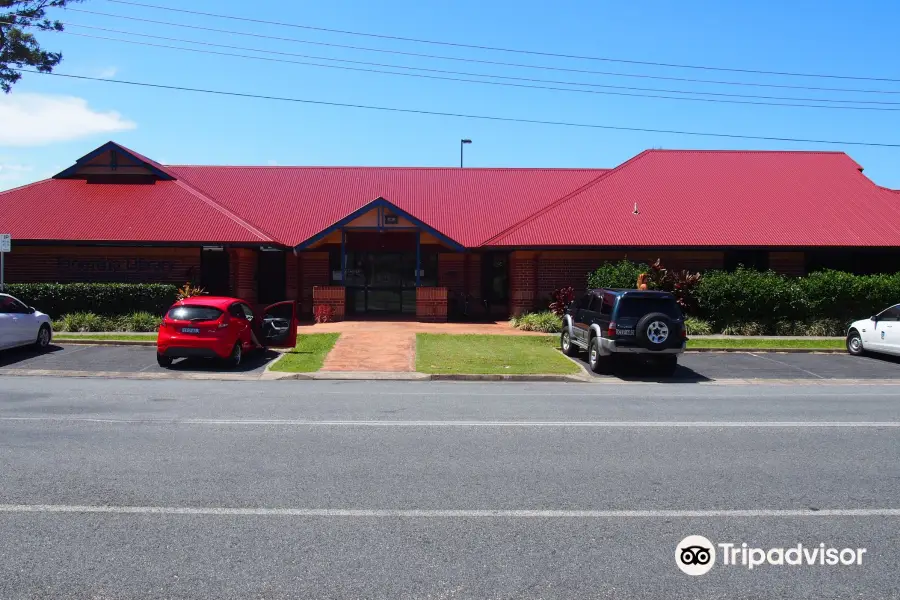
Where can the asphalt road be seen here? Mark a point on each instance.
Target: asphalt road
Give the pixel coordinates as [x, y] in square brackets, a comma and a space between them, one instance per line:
[693, 367]
[120, 359]
[210, 489]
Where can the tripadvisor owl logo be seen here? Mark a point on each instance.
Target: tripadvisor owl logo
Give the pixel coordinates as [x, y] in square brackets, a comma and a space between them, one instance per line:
[695, 555]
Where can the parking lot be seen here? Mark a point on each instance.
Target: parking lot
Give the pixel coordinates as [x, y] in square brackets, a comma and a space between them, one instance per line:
[120, 359]
[693, 367]
[710, 366]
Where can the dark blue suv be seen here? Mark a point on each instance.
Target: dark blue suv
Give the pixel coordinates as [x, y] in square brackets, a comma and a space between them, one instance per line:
[611, 322]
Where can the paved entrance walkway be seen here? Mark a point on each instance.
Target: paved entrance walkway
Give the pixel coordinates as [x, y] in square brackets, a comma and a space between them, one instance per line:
[373, 351]
[390, 346]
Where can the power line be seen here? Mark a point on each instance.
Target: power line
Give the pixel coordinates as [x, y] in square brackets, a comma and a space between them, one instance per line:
[463, 115]
[467, 74]
[495, 83]
[483, 61]
[499, 49]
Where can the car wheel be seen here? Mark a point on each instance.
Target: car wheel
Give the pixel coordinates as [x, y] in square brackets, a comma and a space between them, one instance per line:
[566, 345]
[666, 365]
[163, 361]
[599, 363]
[43, 337]
[854, 344]
[237, 354]
[654, 331]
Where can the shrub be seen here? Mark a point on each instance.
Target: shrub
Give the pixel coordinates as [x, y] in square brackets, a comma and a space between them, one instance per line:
[58, 299]
[189, 291]
[560, 300]
[545, 322]
[323, 313]
[85, 321]
[697, 326]
[139, 321]
[622, 274]
[747, 296]
[681, 284]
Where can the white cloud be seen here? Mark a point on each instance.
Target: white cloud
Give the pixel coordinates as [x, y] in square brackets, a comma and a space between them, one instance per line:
[39, 119]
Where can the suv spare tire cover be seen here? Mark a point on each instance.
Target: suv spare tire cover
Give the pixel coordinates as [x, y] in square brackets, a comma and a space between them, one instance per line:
[643, 326]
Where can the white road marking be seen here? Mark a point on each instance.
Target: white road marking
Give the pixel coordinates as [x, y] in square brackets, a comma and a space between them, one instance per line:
[523, 424]
[438, 513]
[785, 364]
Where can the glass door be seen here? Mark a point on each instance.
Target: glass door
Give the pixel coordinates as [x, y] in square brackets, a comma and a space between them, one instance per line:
[381, 282]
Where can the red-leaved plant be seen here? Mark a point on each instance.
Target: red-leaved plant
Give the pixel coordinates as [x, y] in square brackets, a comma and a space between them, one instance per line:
[560, 299]
[323, 313]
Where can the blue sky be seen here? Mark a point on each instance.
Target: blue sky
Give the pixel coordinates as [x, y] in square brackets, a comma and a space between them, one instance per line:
[183, 128]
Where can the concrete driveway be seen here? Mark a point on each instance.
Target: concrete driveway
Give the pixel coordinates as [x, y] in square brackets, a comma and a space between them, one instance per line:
[121, 359]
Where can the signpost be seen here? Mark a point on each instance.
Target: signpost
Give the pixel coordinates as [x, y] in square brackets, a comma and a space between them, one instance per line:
[5, 246]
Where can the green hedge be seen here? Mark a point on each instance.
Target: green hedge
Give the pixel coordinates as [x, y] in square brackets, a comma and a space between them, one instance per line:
[763, 302]
[768, 298]
[57, 299]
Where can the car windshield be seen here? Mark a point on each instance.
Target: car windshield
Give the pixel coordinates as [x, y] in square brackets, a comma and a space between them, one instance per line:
[630, 307]
[194, 313]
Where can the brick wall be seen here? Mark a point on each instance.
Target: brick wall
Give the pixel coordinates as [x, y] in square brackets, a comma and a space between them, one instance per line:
[523, 273]
[330, 295]
[431, 304]
[534, 275]
[243, 263]
[76, 264]
[788, 263]
[292, 277]
[313, 272]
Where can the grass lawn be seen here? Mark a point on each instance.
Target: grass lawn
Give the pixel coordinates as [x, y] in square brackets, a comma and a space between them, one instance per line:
[750, 344]
[115, 337]
[490, 354]
[308, 355]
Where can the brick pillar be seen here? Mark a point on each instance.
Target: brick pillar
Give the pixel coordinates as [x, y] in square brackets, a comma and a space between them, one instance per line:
[292, 277]
[242, 263]
[431, 304]
[330, 295]
[313, 272]
[521, 282]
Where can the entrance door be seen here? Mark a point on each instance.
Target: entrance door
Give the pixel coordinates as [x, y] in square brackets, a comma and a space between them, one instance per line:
[381, 282]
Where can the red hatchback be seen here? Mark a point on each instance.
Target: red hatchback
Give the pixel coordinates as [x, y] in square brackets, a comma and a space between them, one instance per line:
[226, 328]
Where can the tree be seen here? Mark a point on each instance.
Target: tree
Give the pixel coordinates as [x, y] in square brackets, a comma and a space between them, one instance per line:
[18, 46]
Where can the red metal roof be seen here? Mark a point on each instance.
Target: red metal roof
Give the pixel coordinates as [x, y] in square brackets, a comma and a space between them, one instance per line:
[469, 206]
[72, 209]
[683, 198]
[721, 198]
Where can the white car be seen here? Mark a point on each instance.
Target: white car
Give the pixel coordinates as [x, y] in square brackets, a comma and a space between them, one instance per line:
[21, 325]
[880, 333]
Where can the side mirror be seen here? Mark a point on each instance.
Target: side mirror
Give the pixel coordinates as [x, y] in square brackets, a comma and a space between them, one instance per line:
[31, 310]
[874, 318]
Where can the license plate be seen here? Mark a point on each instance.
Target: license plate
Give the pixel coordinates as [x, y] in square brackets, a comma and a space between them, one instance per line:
[189, 330]
[624, 331]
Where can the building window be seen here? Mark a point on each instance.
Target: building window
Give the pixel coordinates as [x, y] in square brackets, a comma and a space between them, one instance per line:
[271, 277]
[495, 277]
[214, 272]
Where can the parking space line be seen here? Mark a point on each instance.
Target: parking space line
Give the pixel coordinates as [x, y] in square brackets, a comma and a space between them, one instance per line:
[786, 365]
[443, 513]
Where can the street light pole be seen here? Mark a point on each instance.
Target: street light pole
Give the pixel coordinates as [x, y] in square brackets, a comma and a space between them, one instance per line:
[461, 144]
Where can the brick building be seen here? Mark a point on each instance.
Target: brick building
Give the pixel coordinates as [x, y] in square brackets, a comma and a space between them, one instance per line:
[428, 241]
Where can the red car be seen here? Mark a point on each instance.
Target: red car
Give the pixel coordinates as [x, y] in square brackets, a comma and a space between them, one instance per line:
[225, 328]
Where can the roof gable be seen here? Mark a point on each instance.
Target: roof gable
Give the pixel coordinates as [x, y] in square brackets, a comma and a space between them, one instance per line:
[112, 159]
[379, 204]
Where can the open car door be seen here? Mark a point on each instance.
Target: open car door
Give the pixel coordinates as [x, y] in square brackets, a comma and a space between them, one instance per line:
[279, 325]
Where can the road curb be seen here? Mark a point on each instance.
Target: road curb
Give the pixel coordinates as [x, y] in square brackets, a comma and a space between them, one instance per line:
[473, 377]
[89, 342]
[772, 350]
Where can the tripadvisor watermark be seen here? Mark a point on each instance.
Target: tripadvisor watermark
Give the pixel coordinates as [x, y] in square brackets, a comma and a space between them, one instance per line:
[696, 555]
